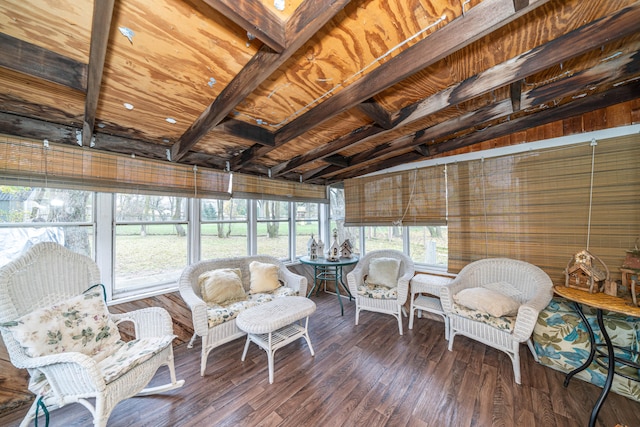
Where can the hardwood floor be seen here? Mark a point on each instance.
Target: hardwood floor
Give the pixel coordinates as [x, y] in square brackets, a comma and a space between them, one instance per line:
[364, 375]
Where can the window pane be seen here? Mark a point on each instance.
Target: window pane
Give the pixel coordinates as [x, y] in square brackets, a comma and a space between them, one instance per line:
[273, 239]
[272, 210]
[149, 254]
[151, 243]
[383, 237]
[307, 225]
[429, 245]
[223, 210]
[144, 208]
[223, 240]
[31, 215]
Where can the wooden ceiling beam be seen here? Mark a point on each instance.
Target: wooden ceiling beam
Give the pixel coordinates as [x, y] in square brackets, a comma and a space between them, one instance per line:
[102, 14]
[461, 32]
[248, 131]
[582, 40]
[254, 18]
[27, 58]
[332, 147]
[264, 63]
[376, 113]
[578, 107]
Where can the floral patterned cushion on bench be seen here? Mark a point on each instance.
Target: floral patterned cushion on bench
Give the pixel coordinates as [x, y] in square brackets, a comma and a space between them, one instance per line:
[562, 342]
[218, 314]
[504, 323]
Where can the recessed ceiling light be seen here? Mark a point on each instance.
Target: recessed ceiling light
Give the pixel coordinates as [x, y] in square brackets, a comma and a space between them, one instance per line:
[171, 120]
[128, 106]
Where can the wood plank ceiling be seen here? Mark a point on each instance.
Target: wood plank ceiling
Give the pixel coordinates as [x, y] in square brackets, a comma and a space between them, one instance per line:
[311, 90]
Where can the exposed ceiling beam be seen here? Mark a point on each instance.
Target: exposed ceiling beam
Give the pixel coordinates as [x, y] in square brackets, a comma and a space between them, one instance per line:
[261, 66]
[376, 113]
[614, 96]
[35, 61]
[477, 22]
[248, 131]
[580, 41]
[102, 14]
[254, 18]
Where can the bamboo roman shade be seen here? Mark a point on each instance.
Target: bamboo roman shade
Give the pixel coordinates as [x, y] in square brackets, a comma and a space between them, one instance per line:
[411, 197]
[38, 164]
[540, 206]
[257, 187]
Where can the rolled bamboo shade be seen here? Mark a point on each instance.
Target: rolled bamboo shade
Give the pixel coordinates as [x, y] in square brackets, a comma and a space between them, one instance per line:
[36, 164]
[411, 197]
[535, 205]
[258, 187]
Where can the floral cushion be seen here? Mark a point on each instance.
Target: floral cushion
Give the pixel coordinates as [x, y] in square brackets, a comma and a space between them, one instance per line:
[561, 341]
[81, 323]
[218, 314]
[504, 323]
[377, 291]
[130, 354]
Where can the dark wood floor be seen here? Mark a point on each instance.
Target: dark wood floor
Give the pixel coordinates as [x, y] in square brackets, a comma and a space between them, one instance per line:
[362, 375]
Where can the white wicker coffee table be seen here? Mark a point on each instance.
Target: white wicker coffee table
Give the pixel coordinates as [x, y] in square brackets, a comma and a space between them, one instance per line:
[274, 324]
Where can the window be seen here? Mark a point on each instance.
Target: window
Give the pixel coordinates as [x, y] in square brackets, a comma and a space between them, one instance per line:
[307, 225]
[336, 220]
[223, 228]
[151, 241]
[29, 215]
[273, 228]
[428, 245]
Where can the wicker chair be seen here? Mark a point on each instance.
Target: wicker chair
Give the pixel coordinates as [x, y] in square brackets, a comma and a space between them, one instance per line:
[380, 299]
[218, 334]
[527, 284]
[47, 277]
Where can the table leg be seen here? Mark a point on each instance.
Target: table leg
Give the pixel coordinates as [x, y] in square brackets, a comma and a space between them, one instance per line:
[592, 340]
[315, 281]
[611, 369]
[337, 286]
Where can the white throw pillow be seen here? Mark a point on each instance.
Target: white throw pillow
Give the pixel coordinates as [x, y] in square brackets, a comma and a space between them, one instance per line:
[384, 272]
[222, 286]
[264, 277]
[487, 300]
[81, 323]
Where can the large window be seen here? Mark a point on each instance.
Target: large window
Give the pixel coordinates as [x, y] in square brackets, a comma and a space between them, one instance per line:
[223, 228]
[273, 228]
[151, 244]
[31, 215]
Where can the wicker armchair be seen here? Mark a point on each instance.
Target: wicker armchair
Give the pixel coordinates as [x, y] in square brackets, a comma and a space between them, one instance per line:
[213, 333]
[381, 299]
[42, 283]
[525, 283]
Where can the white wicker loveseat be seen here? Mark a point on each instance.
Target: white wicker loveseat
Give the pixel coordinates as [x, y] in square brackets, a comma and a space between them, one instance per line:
[55, 324]
[216, 324]
[527, 286]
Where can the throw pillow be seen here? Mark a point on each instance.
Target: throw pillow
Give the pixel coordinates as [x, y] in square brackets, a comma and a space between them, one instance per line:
[487, 300]
[264, 277]
[505, 288]
[221, 286]
[383, 272]
[81, 323]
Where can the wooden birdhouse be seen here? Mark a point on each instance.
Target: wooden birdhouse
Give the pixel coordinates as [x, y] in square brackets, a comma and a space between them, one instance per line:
[312, 248]
[334, 249]
[587, 272]
[346, 249]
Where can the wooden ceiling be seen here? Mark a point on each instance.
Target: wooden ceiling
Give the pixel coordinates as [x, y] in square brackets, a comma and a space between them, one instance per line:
[311, 90]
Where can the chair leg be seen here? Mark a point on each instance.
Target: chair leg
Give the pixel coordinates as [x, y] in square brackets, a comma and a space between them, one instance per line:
[516, 364]
[357, 314]
[532, 349]
[400, 319]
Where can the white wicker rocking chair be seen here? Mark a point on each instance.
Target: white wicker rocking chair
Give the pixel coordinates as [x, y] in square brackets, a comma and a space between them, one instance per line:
[47, 278]
[526, 283]
[379, 299]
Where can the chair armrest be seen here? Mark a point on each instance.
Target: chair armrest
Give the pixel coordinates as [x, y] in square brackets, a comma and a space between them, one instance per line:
[67, 372]
[294, 281]
[447, 292]
[148, 322]
[528, 314]
[403, 286]
[354, 278]
[197, 306]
